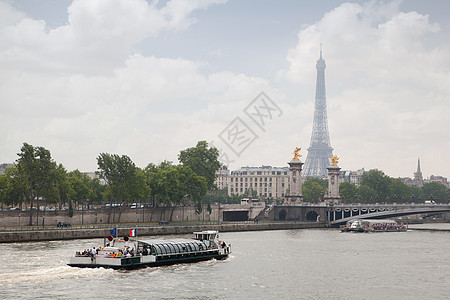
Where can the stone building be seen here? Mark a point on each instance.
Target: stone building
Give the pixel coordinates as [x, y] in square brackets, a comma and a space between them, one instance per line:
[268, 182]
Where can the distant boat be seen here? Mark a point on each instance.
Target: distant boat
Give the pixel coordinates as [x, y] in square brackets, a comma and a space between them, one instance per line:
[366, 225]
[126, 254]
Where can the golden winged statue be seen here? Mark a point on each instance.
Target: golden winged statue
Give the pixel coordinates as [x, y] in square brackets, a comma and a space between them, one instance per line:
[334, 160]
[297, 154]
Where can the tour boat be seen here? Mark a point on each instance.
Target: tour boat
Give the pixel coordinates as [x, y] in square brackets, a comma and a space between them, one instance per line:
[366, 225]
[133, 254]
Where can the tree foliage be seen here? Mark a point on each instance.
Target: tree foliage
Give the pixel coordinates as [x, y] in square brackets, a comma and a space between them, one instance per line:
[314, 189]
[376, 187]
[203, 160]
[347, 191]
[119, 172]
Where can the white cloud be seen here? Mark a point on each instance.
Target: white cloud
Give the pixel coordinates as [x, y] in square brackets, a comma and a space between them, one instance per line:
[387, 90]
[80, 89]
[98, 37]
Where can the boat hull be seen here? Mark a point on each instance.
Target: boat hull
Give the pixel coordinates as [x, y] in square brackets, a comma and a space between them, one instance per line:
[135, 262]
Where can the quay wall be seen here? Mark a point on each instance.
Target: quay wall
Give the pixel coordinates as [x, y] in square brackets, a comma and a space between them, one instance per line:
[69, 234]
[115, 215]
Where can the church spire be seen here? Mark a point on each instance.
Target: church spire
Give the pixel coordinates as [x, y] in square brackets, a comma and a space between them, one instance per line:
[418, 178]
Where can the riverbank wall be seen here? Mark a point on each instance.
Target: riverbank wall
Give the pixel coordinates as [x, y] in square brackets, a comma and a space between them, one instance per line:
[86, 233]
[110, 215]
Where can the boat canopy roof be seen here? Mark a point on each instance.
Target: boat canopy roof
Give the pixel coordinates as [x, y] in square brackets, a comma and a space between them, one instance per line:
[380, 221]
[173, 245]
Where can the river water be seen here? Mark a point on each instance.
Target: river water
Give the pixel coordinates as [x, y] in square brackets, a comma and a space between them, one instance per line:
[288, 264]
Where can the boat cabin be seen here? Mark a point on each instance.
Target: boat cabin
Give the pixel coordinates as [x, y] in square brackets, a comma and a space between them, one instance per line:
[210, 235]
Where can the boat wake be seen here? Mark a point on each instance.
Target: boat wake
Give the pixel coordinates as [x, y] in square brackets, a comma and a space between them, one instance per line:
[43, 275]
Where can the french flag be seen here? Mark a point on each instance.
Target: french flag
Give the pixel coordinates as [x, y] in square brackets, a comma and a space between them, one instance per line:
[133, 232]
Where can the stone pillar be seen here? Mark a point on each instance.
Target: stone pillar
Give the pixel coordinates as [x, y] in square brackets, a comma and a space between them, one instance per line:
[333, 184]
[294, 196]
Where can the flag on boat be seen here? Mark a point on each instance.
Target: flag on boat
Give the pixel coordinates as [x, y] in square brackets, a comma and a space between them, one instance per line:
[113, 232]
[133, 232]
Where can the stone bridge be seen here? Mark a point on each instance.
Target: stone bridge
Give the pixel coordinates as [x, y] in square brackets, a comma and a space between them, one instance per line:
[340, 214]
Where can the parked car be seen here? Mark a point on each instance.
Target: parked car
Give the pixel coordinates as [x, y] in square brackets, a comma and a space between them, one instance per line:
[63, 224]
[163, 222]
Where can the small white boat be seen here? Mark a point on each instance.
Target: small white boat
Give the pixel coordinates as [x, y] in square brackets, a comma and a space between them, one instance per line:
[127, 254]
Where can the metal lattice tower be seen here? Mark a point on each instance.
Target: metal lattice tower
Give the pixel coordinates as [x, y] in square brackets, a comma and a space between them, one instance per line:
[319, 151]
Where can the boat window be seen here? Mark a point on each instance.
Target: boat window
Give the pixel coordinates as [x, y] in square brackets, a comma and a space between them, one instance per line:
[171, 247]
[178, 248]
[161, 249]
[167, 248]
[194, 247]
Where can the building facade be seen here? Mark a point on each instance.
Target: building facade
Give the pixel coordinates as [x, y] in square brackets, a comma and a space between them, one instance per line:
[268, 182]
[353, 177]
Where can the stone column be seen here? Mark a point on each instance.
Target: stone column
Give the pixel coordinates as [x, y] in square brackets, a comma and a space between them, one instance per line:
[333, 184]
[294, 196]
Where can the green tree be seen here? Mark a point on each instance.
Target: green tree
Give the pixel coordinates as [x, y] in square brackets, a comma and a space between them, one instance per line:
[79, 191]
[62, 185]
[435, 191]
[15, 187]
[119, 172]
[35, 165]
[366, 194]
[203, 160]
[313, 189]
[378, 182]
[401, 193]
[416, 194]
[347, 191]
[3, 189]
[152, 173]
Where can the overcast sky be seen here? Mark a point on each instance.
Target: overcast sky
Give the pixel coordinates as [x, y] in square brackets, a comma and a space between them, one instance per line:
[148, 79]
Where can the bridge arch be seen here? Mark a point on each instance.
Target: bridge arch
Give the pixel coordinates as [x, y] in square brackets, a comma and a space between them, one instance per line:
[311, 216]
[282, 215]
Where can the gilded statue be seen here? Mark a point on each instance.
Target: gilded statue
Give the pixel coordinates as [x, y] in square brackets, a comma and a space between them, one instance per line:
[334, 160]
[297, 154]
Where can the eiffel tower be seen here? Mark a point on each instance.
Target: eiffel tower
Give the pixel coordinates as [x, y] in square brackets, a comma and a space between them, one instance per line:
[319, 151]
